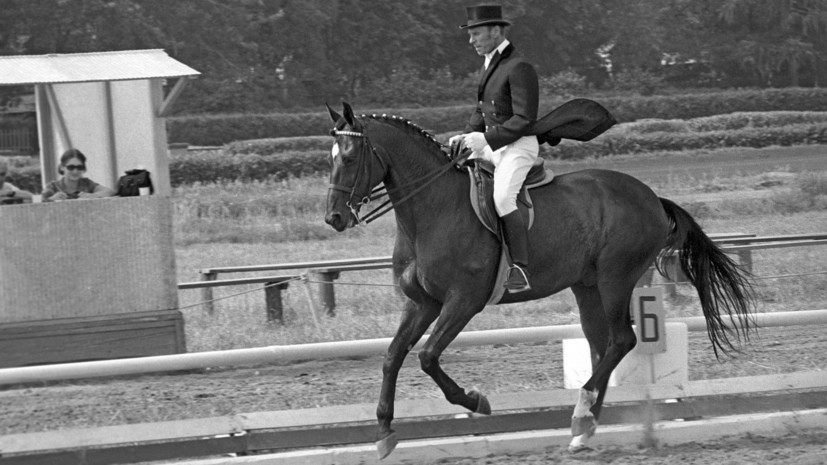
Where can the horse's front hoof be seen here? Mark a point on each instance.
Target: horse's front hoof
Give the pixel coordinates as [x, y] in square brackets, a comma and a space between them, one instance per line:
[483, 407]
[386, 445]
[578, 444]
[574, 449]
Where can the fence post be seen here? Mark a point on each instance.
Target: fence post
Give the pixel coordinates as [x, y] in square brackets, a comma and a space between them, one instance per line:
[272, 297]
[674, 274]
[745, 259]
[327, 296]
[206, 292]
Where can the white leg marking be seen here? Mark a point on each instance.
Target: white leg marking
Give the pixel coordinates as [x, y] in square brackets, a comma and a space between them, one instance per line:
[587, 399]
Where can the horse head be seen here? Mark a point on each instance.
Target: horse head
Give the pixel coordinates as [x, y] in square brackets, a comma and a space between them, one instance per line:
[354, 170]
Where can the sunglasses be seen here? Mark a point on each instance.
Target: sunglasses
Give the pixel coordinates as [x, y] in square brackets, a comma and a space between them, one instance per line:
[75, 167]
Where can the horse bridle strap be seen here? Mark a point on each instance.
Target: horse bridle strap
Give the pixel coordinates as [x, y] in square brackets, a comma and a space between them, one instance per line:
[375, 194]
[363, 165]
[428, 177]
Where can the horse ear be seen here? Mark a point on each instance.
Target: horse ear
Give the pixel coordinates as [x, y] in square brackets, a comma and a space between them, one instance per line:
[348, 113]
[335, 117]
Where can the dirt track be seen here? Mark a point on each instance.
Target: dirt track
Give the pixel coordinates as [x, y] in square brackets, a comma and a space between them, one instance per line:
[339, 382]
[493, 369]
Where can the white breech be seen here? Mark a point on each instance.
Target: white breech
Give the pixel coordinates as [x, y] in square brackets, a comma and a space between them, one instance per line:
[511, 165]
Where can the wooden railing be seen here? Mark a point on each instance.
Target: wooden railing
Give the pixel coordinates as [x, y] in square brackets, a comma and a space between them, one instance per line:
[324, 273]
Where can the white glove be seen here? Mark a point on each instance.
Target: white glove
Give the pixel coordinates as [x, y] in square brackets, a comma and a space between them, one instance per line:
[455, 140]
[475, 141]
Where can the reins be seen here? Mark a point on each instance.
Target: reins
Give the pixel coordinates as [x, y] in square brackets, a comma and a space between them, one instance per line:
[378, 193]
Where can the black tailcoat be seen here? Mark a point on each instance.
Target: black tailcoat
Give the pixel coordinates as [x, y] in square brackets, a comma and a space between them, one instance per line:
[507, 99]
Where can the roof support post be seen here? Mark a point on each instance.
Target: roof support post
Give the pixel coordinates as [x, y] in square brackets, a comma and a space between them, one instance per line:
[166, 106]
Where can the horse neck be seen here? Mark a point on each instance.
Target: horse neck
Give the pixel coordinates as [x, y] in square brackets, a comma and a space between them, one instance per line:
[411, 158]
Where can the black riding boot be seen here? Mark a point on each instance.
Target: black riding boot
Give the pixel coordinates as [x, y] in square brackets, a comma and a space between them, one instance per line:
[516, 237]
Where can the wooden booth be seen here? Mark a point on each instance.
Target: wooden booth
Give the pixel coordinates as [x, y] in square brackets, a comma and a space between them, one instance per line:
[93, 279]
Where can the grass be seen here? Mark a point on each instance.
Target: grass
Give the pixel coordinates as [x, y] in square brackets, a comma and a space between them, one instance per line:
[277, 222]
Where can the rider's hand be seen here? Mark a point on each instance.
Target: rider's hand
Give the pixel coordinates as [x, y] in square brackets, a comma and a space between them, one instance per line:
[475, 141]
[455, 140]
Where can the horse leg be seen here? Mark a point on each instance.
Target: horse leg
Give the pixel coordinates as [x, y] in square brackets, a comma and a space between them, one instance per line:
[415, 321]
[453, 319]
[606, 321]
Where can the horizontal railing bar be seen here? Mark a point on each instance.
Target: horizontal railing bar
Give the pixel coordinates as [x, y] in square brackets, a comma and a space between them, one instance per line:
[332, 350]
[778, 238]
[724, 238]
[360, 267]
[296, 265]
[239, 281]
[773, 245]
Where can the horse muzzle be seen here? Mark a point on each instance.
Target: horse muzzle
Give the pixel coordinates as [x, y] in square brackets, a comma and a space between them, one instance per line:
[339, 222]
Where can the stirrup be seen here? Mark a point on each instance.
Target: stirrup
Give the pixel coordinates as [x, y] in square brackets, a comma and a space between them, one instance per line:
[517, 280]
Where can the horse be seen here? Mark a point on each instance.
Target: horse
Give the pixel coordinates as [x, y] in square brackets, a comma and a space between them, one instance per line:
[595, 232]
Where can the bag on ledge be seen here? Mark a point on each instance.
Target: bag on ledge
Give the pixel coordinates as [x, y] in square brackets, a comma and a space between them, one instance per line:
[130, 184]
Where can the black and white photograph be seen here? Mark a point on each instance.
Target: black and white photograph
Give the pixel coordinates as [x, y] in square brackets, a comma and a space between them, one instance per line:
[421, 232]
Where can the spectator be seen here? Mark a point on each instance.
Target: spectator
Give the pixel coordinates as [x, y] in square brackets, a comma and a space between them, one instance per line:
[9, 193]
[73, 185]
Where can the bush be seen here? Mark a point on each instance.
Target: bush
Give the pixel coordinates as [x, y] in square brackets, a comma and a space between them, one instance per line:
[625, 142]
[277, 159]
[216, 166]
[636, 80]
[732, 121]
[26, 177]
[279, 145]
[405, 87]
[217, 130]
[564, 84]
[222, 129]
[688, 106]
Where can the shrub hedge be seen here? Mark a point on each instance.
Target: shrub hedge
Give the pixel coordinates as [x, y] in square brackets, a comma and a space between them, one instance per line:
[280, 158]
[212, 166]
[222, 129]
[279, 145]
[618, 143]
[26, 177]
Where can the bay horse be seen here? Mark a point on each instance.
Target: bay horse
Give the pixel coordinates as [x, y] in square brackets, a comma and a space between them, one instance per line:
[595, 231]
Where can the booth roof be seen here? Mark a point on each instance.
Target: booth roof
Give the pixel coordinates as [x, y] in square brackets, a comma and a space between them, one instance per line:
[90, 67]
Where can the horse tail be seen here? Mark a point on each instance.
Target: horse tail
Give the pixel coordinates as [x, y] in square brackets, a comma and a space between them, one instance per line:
[725, 289]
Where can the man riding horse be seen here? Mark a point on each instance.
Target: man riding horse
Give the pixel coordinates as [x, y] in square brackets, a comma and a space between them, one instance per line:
[499, 128]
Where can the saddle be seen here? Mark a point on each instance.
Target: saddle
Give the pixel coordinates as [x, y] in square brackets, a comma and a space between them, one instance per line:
[482, 192]
[481, 173]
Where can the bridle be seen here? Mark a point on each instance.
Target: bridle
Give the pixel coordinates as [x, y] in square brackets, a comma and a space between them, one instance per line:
[363, 168]
[382, 191]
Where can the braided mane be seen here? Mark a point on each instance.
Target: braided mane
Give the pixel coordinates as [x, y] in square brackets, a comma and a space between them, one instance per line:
[408, 126]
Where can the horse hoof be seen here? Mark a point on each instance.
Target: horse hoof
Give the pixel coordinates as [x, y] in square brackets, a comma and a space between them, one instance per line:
[578, 444]
[483, 407]
[583, 426]
[386, 445]
[574, 449]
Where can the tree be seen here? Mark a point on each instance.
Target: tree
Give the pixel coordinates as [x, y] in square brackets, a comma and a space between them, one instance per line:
[763, 39]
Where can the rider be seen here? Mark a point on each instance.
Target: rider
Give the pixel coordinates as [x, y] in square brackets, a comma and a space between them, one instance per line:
[507, 101]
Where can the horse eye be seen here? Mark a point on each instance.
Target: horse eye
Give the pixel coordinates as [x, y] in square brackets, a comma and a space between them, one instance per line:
[348, 160]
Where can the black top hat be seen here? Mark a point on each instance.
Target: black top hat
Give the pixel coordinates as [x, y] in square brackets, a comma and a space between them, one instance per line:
[482, 15]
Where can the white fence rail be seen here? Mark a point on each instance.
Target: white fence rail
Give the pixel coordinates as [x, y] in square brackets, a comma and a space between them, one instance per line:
[367, 347]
